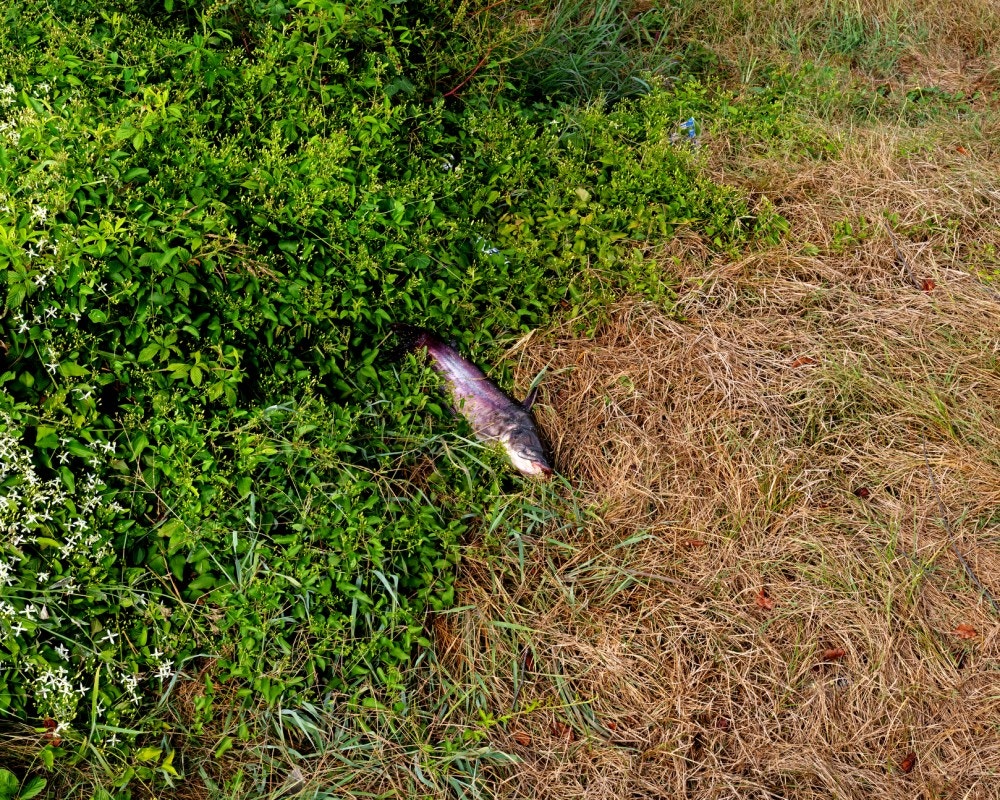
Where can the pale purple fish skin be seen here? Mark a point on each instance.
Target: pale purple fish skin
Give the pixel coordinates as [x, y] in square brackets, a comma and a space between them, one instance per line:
[493, 415]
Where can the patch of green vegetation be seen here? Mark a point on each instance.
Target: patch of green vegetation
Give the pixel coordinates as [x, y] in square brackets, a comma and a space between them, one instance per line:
[872, 43]
[587, 51]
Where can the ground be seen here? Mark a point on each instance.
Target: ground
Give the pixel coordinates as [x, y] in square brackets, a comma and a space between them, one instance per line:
[769, 566]
[782, 580]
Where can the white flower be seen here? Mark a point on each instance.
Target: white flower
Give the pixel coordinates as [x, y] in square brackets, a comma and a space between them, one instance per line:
[63, 652]
[40, 213]
[50, 312]
[41, 281]
[109, 636]
[165, 670]
[42, 576]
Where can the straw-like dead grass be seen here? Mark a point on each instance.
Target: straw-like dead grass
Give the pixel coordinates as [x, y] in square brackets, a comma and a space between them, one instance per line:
[769, 601]
[912, 42]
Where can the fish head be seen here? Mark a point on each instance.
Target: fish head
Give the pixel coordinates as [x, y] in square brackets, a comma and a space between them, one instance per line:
[526, 453]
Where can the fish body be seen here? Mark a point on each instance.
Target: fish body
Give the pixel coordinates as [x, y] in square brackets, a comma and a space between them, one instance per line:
[494, 416]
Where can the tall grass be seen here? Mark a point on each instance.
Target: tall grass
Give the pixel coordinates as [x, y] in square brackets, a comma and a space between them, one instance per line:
[587, 50]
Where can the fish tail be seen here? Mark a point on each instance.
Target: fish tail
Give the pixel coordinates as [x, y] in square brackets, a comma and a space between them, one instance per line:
[409, 338]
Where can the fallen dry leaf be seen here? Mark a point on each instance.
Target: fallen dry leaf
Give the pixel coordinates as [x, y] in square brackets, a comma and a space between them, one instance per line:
[864, 493]
[522, 738]
[961, 150]
[763, 601]
[834, 654]
[694, 542]
[908, 763]
[927, 285]
[723, 723]
[802, 361]
[964, 631]
[562, 730]
[50, 731]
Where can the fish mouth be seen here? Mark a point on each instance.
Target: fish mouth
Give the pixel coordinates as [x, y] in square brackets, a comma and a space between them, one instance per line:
[541, 470]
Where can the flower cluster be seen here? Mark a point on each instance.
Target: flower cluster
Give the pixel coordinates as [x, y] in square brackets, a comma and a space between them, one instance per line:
[54, 693]
[52, 530]
[8, 128]
[28, 502]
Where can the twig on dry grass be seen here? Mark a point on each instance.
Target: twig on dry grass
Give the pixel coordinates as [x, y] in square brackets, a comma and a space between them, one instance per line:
[951, 537]
[901, 257]
[690, 587]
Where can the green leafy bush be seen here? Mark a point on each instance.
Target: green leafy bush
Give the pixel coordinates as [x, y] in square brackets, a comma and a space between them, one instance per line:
[209, 216]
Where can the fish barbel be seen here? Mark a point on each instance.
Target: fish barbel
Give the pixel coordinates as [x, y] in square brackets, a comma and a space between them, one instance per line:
[493, 415]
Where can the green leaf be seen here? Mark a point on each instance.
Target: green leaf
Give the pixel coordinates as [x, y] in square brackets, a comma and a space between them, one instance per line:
[168, 765]
[8, 785]
[147, 353]
[149, 754]
[73, 370]
[196, 376]
[45, 432]
[138, 443]
[226, 744]
[45, 541]
[15, 295]
[32, 788]
[171, 527]
[135, 172]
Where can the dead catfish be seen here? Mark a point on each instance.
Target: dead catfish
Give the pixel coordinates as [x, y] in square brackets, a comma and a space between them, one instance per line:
[493, 415]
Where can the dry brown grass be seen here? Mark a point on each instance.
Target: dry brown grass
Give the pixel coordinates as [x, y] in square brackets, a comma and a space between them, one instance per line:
[796, 431]
[919, 42]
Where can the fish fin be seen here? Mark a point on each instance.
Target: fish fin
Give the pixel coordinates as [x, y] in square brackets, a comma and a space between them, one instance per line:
[529, 401]
[532, 395]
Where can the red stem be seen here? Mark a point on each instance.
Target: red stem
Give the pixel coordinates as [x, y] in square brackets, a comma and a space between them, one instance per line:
[471, 75]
